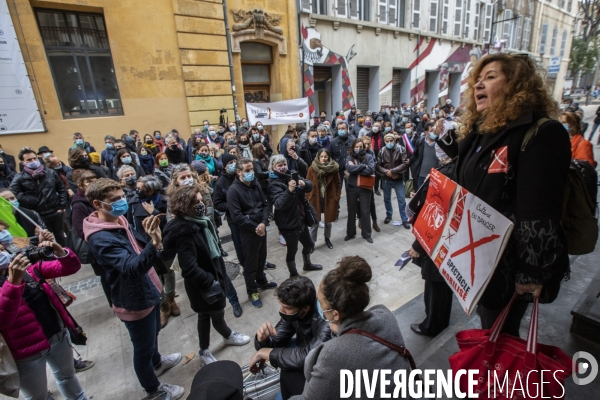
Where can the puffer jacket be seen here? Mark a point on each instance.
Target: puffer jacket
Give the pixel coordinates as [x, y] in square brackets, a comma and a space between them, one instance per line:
[392, 160]
[22, 331]
[289, 207]
[44, 194]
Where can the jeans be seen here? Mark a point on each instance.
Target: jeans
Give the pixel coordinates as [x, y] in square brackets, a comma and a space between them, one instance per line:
[353, 194]
[237, 243]
[32, 371]
[218, 322]
[255, 256]
[398, 187]
[594, 127]
[168, 281]
[144, 337]
[292, 238]
[420, 181]
[55, 224]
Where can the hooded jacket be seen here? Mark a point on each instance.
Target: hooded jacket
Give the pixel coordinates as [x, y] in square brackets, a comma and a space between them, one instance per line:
[247, 205]
[19, 325]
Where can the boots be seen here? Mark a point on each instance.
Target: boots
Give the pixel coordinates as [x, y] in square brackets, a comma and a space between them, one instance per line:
[375, 226]
[292, 268]
[175, 311]
[308, 266]
[223, 252]
[165, 313]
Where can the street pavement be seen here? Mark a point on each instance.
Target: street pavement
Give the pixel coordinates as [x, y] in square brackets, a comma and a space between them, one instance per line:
[113, 377]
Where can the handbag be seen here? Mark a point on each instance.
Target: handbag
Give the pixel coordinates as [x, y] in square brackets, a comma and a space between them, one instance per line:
[409, 187]
[9, 373]
[310, 214]
[78, 246]
[497, 354]
[213, 294]
[366, 181]
[66, 298]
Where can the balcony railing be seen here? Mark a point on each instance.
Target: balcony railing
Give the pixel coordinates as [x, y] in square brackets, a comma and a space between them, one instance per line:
[77, 37]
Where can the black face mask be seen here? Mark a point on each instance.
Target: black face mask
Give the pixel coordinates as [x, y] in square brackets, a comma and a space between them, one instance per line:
[289, 318]
[243, 142]
[174, 147]
[84, 162]
[130, 181]
[149, 141]
[142, 194]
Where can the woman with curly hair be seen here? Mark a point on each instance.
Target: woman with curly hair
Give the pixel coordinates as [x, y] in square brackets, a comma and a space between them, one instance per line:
[524, 180]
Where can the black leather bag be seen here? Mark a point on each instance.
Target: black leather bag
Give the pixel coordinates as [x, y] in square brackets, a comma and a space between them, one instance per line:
[213, 294]
[79, 246]
[310, 214]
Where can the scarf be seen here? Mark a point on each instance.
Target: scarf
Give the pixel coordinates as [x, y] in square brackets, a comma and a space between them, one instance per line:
[35, 173]
[150, 146]
[273, 176]
[246, 152]
[323, 170]
[210, 163]
[160, 143]
[209, 233]
[154, 199]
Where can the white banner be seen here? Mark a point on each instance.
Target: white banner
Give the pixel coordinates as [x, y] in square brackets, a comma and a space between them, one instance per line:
[19, 112]
[282, 112]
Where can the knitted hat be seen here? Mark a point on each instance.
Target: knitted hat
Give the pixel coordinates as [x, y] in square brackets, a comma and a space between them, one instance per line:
[199, 166]
[389, 135]
[94, 158]
[227, 158]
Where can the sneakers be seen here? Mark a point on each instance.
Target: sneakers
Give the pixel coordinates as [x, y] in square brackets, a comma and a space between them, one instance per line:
[406, 225]
[387, 220]
[236, 339]
[377, 193]
[271, 216]
[237, 310]
[321, 224]
[255, 300]
[268, 285]
[282, 240]
[167, 362]
[175, 391]
[206, 358]
[82, 365]
[269, 265]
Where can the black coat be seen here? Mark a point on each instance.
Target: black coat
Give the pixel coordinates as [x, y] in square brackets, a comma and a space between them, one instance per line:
[247, 205]
[136, 213]
[199, 271]
[340, 148]
[261, 170]
[220, 193]
[176, 157]
[44, 194]
[530, 193]
[289, 207]
[6, 177]
[10, 161]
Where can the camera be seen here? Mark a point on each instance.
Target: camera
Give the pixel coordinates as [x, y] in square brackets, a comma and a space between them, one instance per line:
[37, 254]
[223, 110]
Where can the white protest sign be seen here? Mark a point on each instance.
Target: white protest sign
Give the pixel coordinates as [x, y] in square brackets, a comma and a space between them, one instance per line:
[279, 113]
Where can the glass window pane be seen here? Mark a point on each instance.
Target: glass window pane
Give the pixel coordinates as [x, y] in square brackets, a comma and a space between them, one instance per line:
[106, 82]
[255, 52]
[88, 92]
[70, 93]
[255, 73]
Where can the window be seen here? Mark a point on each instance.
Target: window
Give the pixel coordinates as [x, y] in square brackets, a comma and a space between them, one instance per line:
[315, 6]
[526, 34]
[477, 21]
[507, 26]
[416, 14]
[543, 38]
[256, 71]
[354, 9]
[457, 18]
[516, 37]
[569, 4]
[433, 15]
[388, 11]
[79, 56]
[553, 43]
[445, 16]
[487, 25]
[563, 43]
[561, 3]
[467, 18]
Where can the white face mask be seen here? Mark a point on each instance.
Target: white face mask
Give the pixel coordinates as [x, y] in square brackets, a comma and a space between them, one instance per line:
[409, 130]
[187, 182]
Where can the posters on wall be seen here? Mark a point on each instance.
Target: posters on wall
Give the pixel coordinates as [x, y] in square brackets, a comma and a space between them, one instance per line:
[19, 112]
[279, 113]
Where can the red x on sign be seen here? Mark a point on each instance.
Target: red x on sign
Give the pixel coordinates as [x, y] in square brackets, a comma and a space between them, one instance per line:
[472, 246]
[500, 162]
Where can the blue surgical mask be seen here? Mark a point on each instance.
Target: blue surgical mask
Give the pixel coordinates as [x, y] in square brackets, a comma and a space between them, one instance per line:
[390, 145]
[157, 136]
[567, 127]
[205, 127]
[231, 168]
[126, 160]
[4, 260]
[255, 136]
[231, 142]
[15, 203]
[79, 142]
[110, 146]
[248, 176]
[6, 238]
[387, 129]
[58, 167]
[404, 119]
[245, 124]
[432, 136]
[232, 128]
[212, 133]
[119, 207]
[342, 132]
[33, 165]
[321, 311]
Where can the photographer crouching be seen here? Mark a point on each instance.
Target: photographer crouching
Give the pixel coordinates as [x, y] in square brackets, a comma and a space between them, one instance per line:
[34, 322]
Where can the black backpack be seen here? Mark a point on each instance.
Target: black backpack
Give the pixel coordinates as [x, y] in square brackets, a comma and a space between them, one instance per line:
[590, 179]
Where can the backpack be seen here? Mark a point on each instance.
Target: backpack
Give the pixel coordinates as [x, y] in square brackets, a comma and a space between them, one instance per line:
[578, 220]
[590, 178]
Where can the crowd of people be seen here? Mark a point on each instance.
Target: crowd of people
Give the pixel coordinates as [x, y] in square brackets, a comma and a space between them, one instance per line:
[149, 207]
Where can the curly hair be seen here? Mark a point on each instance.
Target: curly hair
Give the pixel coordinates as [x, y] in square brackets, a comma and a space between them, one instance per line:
[183, 200]
[524, 90]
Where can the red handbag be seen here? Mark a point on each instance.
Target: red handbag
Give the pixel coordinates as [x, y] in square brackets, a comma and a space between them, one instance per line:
[366, 182]
[497, 354]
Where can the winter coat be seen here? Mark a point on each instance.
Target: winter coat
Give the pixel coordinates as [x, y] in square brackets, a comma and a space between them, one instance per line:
[289, 207]
[353, 352]
[261, 170]
[107, 158]
[136, 213]
[220, 194]
[6, 177]
[10, 161]
[530, 193]
[45, 194]
[199, 271]
[178, 156]
[582, 149]
[392, 160]
[247, 205]
[19, 325]
[147, 164]
[308, 152]
[81, 208]
[310, 332]
[364, 167]
[96, 170]
[416, 159]
[333, 194]
[339, 150]
[163, 174]
[325, 142]
[265, 142]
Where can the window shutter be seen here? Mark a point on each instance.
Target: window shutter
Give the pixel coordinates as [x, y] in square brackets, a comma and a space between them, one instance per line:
[340, 8]
[383, 11]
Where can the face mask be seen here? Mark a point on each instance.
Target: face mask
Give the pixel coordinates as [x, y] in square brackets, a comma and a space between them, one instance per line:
[126, 160]
[4, 260]
[143, 153]
[163, 163]
[255, 136]
[383, 112]
[149, 141]
[6, 238]
[420, 113]
[45, 155]
[187, 182]
[245, 124]
[243, 142]
[174, 147]
[357, 150]
[387, 129]
[231, 142]
[157, 136]
[221, 131]
[321, 312]
[432, 136]
[260, 127]
[1, 151]
[33, 165]
[289, 318]
[368, 123]
[408, 130]
[141, 194]
[199, 210]
[212, 133]
[390, 145]
[282, 170]
[231, 168]
[232, 128]
[79, 142]
[58, 167]
[15, 203]
[110, 146]
[341, 132]
[248, 176]
[130, 181]
[404, 119]
[375, 129]
[205, 127]
[567, 127]
[312, 140]
[119, 207]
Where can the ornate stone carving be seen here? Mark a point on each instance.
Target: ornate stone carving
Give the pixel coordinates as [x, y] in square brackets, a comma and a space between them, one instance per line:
[258, 20]
[359, 28]
[336, 25]
[377, 31]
